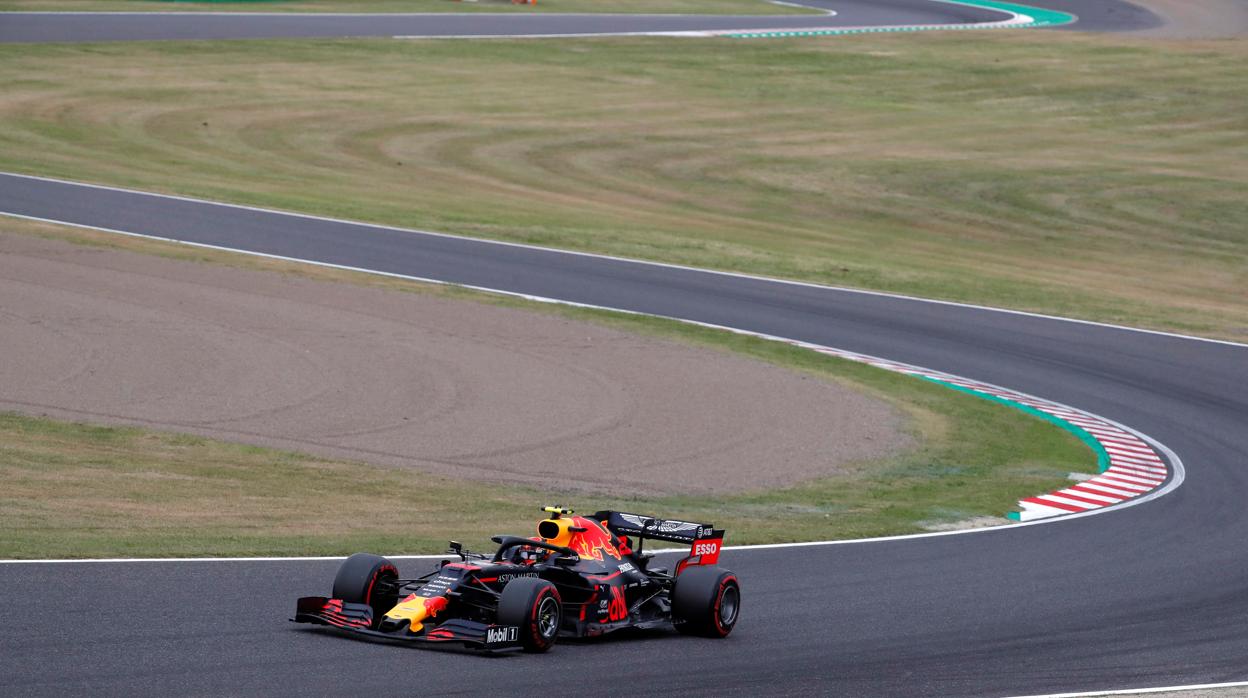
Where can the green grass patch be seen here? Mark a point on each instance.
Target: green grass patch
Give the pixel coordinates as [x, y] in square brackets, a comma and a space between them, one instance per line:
[714, 7]
[1086, 176]
[75, 490]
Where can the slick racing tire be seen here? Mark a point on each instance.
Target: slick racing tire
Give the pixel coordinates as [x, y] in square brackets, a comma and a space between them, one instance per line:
[706, 601]
[358, 581]
[534, 605]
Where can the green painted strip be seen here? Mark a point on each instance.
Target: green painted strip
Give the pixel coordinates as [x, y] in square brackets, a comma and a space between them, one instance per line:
[1040, 17]
[1102, 457]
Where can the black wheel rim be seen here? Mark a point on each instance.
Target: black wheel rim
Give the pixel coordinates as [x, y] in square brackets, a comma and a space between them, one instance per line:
[729, 602]
[548, 617]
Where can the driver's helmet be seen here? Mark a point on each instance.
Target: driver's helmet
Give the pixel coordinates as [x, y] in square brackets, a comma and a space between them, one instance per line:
[528, 554]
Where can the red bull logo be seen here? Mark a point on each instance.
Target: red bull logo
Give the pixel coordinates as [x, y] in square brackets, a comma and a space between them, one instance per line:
[593, 542]
[432, 606]
[417, 610]
[617, 609]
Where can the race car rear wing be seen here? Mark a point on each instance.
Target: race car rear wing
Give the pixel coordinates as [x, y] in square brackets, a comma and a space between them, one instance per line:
[704, 540]
[652, 528]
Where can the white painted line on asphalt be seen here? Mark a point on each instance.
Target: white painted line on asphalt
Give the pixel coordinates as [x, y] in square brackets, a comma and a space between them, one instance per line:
[1100, 486]
[1087, 495]
[1136, 691]
[474, 15]
[1133, 478]
[1081, 488]
[628, 260]
[1136, 477]
[1014, 19]
[1117, 461]
[1148, 476]
[1147, 459]
[1120, 483]
[577, 35]
[830, 13]
[1057, 497]
[1133, 450]
[695, 33]
[1125, 450]
[1139, 470]
[1032, 510]
[1138, 463]
[1149, 466]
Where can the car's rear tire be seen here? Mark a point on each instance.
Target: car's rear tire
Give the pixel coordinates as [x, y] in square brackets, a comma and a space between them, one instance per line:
[534, 605]
[363, 578]
[706, 601]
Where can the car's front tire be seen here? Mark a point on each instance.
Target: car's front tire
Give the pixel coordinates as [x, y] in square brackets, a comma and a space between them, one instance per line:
[706, 601]
[534, 605]
[366, 579]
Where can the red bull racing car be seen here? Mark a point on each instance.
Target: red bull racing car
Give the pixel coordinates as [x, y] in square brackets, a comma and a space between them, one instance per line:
[580, 577]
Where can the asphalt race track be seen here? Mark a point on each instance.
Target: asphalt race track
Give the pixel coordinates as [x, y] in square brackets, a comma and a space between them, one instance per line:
[47, 27]
[70, 27]
[1150, 595]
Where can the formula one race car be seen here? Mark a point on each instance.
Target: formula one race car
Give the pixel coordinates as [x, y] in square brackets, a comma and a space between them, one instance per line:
[579, 578]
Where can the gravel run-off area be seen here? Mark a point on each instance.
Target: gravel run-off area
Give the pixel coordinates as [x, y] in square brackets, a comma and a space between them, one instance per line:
[448, 386]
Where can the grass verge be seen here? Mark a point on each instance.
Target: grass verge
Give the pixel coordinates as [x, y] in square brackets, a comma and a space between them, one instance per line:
[1085, 176]
[709, 7]
[74, 490]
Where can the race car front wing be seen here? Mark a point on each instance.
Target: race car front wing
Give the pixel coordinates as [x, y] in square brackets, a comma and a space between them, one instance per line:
[357, 619]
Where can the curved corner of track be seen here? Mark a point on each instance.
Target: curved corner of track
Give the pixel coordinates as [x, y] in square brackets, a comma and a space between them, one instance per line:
[1133, 468]
[845, 17]
[1015, 16]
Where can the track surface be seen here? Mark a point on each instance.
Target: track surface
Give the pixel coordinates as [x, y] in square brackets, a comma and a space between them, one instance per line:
[1151, 595]
[82, 27]
[1102, 15]
[1096, 15]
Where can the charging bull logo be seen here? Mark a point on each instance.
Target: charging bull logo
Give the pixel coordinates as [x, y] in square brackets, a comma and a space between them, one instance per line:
[417, 609]
[432, 606]
[617, 609]
[593, 542]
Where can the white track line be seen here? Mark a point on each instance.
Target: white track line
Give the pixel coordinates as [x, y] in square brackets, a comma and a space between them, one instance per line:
[1138, 691]
[830, 13]
[689, 33]
[1179, 472]
[4, 13]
